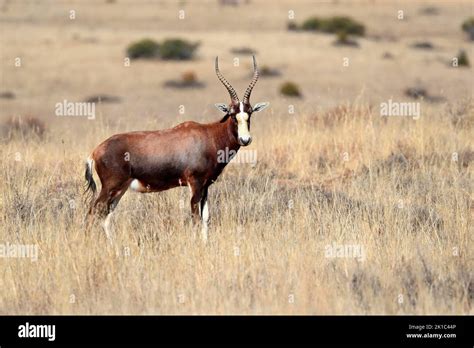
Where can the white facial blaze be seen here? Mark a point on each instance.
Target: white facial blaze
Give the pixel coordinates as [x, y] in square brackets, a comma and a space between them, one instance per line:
[243, 124]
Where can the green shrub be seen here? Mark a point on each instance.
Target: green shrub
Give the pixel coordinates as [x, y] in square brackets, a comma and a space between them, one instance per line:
[169, 49]
[145, 48]
[177, 49]
[468, 27]
[468, 24]
[342, 24]
[335, 24]
[312, 23]
[462, 58]
[290, 89]
[343, 39]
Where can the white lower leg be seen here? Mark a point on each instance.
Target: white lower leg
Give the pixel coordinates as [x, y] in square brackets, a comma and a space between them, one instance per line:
[205, 221]
[107, 226]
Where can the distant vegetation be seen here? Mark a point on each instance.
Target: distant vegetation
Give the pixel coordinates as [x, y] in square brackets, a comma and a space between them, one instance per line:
[177, 49]
[267, 71]
[342, 26]
[462, 58]
[334, 25]
[7, 95]
[243, 50]
[468, 27]
[429, 11]
[169, 49]
[344, 39]
[103, 98]
[145, 48]
[23, 128]
[424, 45]
[188, 80]
[421, 93]
[290, 89]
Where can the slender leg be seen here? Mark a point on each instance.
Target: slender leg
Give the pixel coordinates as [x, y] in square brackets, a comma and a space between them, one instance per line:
[105, 204]
[196, 192]
[205, 217]
[113, 202]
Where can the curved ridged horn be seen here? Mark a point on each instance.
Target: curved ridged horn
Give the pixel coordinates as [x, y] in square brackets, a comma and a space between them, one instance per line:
[230, 89]
[252, 83]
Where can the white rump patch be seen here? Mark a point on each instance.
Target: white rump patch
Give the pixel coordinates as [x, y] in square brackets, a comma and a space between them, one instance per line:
[137, 186]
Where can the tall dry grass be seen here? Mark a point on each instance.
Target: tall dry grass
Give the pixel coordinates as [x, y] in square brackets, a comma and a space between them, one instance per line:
[399, 188]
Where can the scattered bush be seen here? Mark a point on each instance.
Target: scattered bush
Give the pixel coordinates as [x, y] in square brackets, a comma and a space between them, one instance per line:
[462, 58]
[177, 49]
[292, 26]
[429, 11]
[7, 95]
[334, 25]
[229, 2]
[425, 45]
[188, 80]
[266, 71]
[416, 92]
[290, 89]
[145, 48]
[169, 49]
[24, 127]
[189, 77]
[387, 55]
[103, 98]
[343, 24]
[312, 23]
[343, 39]
[422, 93]
[243, 50]
[468, 27]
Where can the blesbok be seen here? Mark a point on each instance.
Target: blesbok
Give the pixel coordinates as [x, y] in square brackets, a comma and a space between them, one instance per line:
[153, 161]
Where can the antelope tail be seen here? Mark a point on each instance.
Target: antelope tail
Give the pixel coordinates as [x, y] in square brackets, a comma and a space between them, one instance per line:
[91, 186]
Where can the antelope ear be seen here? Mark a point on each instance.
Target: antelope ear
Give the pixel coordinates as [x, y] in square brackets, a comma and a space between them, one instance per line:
[260, 106]
[222, 107]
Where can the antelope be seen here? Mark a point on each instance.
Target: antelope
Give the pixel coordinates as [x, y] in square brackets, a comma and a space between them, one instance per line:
[154, 161]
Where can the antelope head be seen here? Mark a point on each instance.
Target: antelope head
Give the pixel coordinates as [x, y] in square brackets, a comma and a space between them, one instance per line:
[240, 111]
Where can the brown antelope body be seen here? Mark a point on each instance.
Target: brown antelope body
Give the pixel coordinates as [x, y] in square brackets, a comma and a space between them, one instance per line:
[153, 161]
